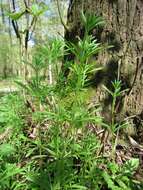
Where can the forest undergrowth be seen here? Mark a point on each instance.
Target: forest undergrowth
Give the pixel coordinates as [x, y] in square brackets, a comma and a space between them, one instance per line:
[53, 137]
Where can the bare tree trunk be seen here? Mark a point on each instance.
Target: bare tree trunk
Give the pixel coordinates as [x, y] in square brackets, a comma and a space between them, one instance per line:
[2, 13]
[123, 30]
[9, 23]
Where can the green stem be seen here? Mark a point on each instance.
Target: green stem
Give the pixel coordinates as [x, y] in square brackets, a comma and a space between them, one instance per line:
[113, 112]
[113, 127]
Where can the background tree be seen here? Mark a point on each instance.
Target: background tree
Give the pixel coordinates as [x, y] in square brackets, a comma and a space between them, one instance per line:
[124, 61]
[21, 30]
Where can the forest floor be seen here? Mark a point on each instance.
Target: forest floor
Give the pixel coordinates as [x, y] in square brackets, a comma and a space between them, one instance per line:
[7, 86]
[125, 149]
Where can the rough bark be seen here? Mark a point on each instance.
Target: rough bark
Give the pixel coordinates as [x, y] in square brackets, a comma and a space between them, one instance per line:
[123, 30]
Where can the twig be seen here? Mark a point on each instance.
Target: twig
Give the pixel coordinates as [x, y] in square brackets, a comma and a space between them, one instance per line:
[60, 15]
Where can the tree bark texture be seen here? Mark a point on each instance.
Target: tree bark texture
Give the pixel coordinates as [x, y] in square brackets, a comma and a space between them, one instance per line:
[124, 30]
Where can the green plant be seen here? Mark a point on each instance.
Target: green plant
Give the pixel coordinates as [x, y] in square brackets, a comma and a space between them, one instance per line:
[114, 127]
[85, 48]
[91, 21]
[120, 178]
[11, 112]
[115, 94]
[7, 173]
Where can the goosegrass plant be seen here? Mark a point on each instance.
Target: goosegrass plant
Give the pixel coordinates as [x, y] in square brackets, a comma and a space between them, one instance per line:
[114, 127]
[54, 147]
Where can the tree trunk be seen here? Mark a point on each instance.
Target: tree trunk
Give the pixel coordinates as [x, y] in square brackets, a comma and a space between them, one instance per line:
[123, 30]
